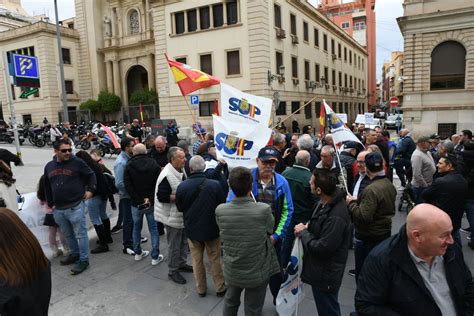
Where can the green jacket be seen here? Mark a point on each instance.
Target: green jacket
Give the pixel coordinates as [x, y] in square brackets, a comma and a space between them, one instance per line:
[245, 228]
[372, 212]
[303, 200]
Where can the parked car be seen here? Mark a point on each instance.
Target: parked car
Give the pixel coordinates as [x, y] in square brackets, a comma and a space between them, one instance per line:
[377, 122]
[391, 121]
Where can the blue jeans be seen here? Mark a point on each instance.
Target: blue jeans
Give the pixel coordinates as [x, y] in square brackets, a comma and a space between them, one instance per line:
[326, 303]
[469, 208]
[72, 222]
[97, 209]
[418, 192]
[137, 229]
[125, 207]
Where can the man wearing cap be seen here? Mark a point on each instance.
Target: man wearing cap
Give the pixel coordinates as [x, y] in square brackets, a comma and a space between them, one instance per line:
[373, 210]
[423, 167]
[448, 192]
[434, 142]
[348, 159]
[200, 133]
[272, 189]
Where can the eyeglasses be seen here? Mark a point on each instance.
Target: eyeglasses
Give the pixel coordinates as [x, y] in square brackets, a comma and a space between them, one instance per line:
[66, 150]
[361, 161]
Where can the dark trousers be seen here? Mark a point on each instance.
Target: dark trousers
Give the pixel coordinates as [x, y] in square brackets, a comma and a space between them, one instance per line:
[125, 207]
[326, 303]
[401, 166]
[362, 250]
[457, 237]
[254, 298]
[417, 192]
[275, 280]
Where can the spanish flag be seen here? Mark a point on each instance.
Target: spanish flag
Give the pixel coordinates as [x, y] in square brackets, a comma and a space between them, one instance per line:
[322, 119]
[190, 79]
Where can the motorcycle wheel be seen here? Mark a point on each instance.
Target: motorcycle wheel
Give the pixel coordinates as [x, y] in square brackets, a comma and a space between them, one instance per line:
[31, 140]
[85, 145]
[10, 140]
[40, 143]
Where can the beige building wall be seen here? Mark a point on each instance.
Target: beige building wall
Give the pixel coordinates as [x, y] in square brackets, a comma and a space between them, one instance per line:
[424, 28]
[255, 37]
[42, 36]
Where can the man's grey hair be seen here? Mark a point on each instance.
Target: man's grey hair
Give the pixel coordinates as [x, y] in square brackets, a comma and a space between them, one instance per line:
[197, 164]
[173, 151]
[329, 149]
[302, 157]
[139, 149]
[449, 145]
[162, 138]
[183, 144]
[278, 139]
[305, 142]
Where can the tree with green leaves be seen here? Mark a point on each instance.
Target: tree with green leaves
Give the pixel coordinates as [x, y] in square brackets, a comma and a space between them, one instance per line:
[145, 96]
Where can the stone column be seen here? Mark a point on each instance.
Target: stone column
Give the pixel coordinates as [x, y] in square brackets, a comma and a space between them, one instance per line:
[110, 77]
[116, 76]
[151, 72]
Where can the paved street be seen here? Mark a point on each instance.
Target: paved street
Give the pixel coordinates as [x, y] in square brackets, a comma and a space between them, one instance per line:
[117, 285]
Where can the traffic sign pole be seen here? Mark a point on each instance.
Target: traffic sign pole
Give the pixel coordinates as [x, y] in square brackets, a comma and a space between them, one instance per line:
[10, 103]
[61, 64]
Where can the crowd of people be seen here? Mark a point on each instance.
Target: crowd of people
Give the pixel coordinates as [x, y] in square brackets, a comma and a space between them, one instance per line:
[333, 197]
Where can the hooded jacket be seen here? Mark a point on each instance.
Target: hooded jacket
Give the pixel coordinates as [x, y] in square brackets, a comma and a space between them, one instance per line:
[140, 178]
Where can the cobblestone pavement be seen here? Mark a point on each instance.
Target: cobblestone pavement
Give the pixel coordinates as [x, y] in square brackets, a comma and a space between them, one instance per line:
[117, 285]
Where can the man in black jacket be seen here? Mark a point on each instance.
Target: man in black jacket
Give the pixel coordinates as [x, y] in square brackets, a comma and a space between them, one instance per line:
[405, 148]
[160, 151]
[348, 158]
[448, 192]
[140, 177]
[197, 197]
[136, 131]
[326, 239]
[419, 271]
[68, 181]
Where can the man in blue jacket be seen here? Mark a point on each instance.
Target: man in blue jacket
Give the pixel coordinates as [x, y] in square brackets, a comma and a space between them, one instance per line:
[405, 148]
[273, 189]
[68, 181]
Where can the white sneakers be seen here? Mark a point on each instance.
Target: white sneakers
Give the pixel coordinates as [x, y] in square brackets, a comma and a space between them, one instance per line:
[142, 255]
[155, 262]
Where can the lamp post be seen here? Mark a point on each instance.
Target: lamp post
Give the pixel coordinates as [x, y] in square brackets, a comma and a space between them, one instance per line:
[61, 64]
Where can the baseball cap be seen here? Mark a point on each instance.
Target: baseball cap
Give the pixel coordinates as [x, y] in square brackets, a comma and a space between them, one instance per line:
[268, 153]
[374, 162]
[350, 144]
[423, 139]
[435, 136]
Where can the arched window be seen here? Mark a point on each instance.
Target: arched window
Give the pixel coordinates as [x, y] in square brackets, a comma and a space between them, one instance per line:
[448, 66]
[134, 22]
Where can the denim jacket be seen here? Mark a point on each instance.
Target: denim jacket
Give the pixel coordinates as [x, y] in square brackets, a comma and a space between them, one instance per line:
[119, 170]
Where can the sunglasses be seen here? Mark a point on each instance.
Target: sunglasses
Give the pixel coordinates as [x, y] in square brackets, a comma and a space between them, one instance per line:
[66, 150]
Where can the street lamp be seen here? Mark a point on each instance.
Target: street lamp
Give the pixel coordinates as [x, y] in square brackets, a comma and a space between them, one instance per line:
[280, 77]
[61, 64]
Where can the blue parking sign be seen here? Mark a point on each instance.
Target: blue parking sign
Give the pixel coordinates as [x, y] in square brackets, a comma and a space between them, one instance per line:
[25, 66]
[194, 99]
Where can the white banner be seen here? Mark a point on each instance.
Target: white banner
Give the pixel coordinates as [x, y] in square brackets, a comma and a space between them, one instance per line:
[237, 106]
[238, 144]
[339, 132]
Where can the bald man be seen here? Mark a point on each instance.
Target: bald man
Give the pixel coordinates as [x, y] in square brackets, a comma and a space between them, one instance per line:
[419, 271]
[159, 152]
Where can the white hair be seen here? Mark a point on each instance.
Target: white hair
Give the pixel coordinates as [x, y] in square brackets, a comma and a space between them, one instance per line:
[305, 142]
[197, 164]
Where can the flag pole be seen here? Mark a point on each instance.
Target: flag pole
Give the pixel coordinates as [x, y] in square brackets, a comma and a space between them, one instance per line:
[301, 107]
[340, 168]
[192, 116]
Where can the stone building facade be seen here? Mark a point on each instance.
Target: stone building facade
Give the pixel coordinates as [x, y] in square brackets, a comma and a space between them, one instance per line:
[439, 65]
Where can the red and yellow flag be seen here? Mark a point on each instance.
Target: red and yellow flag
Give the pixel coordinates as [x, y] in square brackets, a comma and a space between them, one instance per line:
[190, 79]
[322, 119]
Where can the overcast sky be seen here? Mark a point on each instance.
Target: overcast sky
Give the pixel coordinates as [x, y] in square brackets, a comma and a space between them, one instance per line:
[389, 37]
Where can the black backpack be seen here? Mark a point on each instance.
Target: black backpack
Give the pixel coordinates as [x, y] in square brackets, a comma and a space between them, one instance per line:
[110, 180]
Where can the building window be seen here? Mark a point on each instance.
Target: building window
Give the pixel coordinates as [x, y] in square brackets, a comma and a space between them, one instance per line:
[350, 57]
[294, 67]
[204, 18]
[325, 42]
[66, 56]
[317, 109]
[345, 54]
[339, 51]
[233, 63]
[179, 22]
[333, 47]
[448, 75]
[134, 22]
[231, 10]
[318, 74]
[70, 25]
[307, 110]
[206, 108]
[182, 60]
[69, 87]
[345, 80]
[445, 130]
[350, 82]
[306, 70]
[218, 15]
[293, 24]
[279, 61]
[326, 74]
[340, 79]
[305, 32]
[206, 63]
[333, 77]
[345, 25]
[295, 105]
[281, 108]
[192, 20]
[27, 119]
[359, 26]
[277, 15]
[316, 37]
